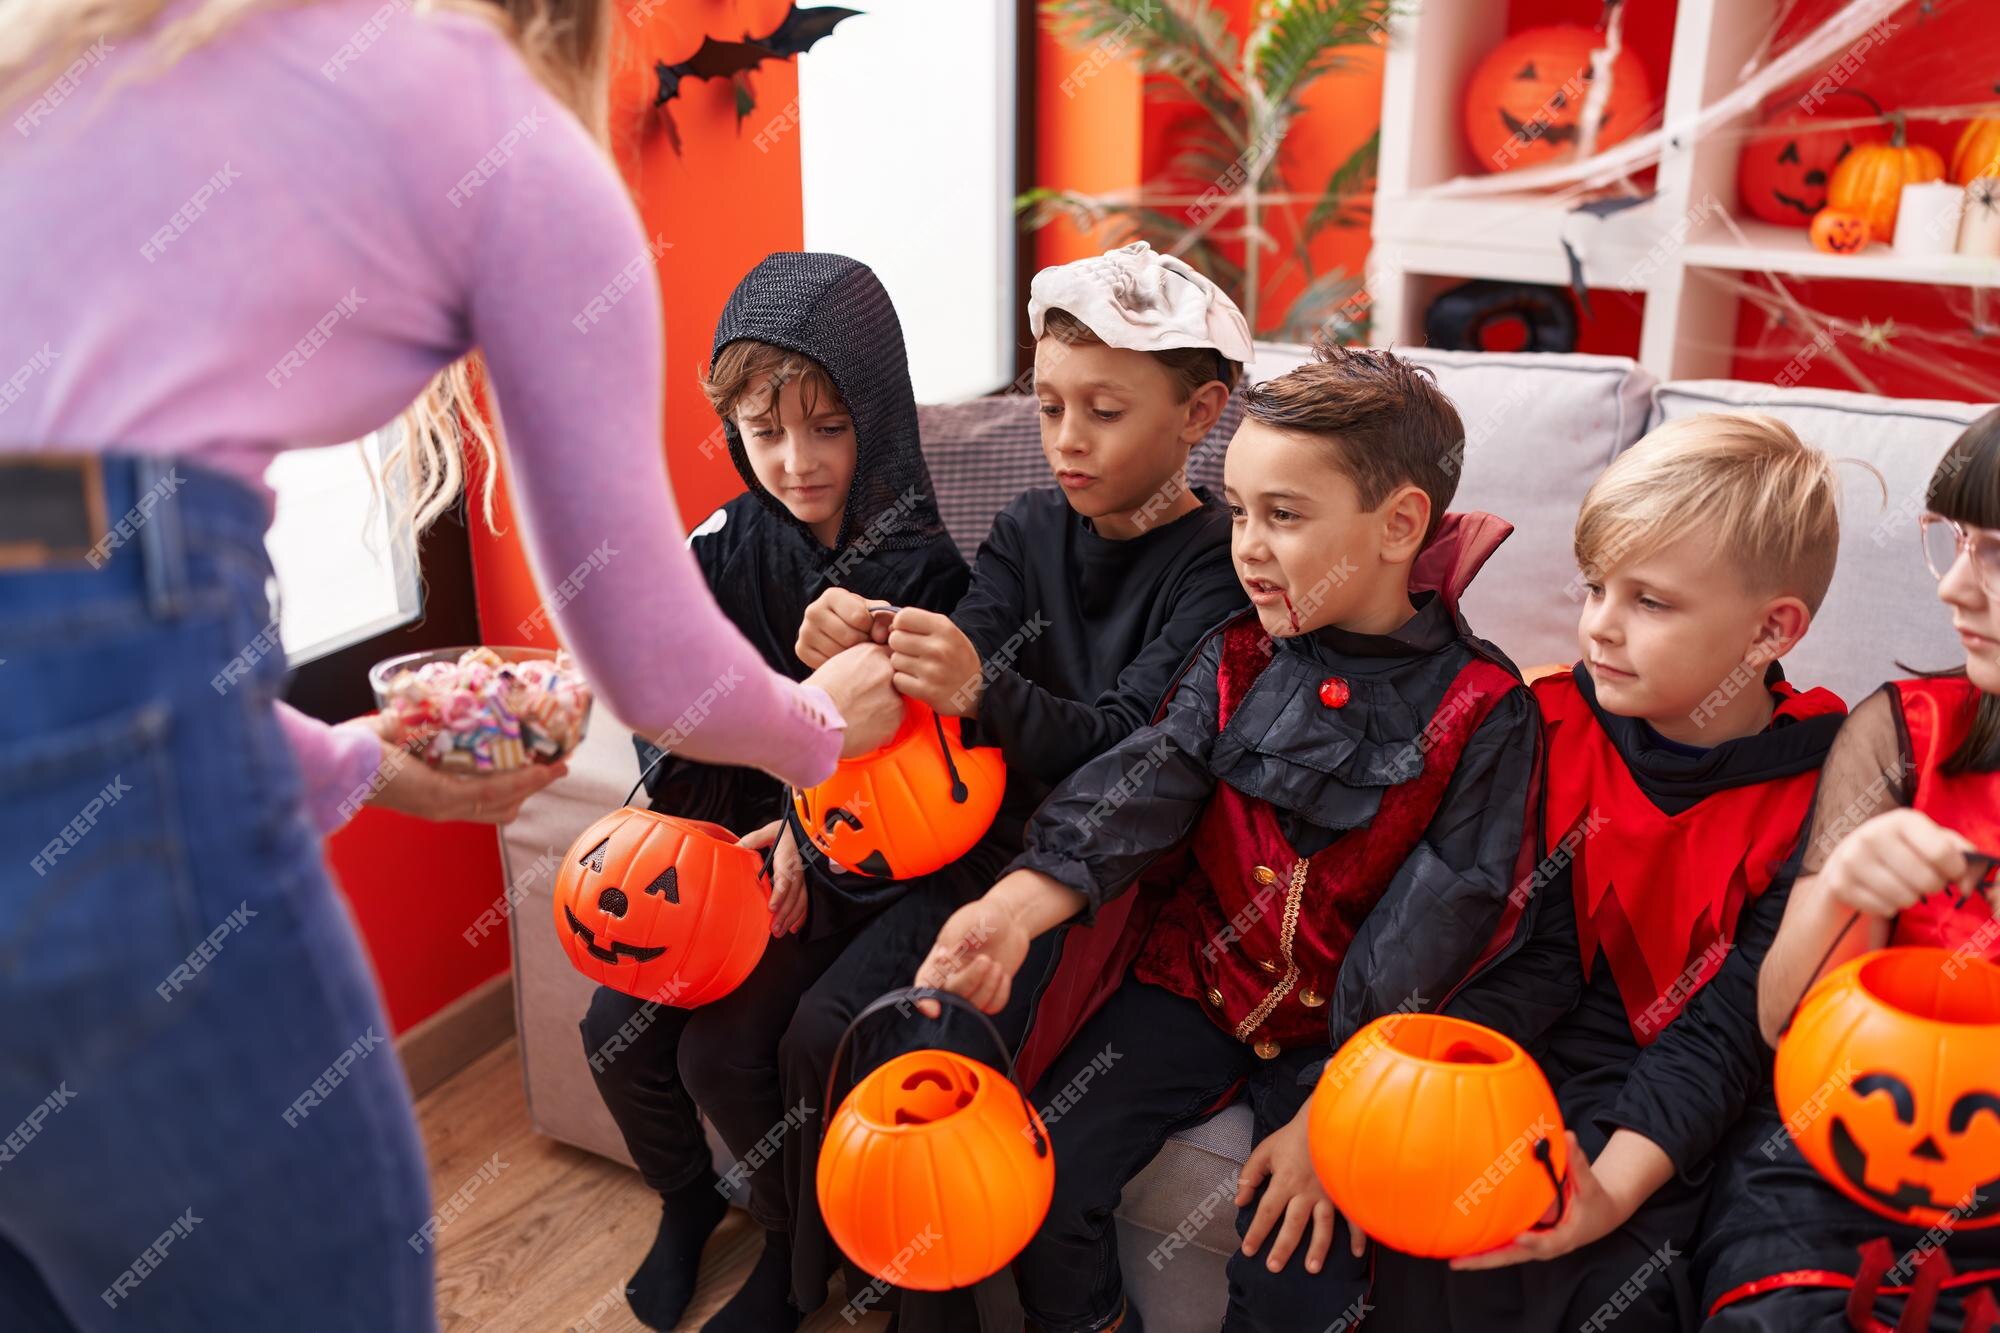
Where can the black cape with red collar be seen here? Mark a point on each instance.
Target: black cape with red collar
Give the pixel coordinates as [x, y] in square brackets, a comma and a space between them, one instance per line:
[1122, 818]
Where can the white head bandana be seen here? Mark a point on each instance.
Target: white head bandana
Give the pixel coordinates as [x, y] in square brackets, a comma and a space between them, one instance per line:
[1134, 298]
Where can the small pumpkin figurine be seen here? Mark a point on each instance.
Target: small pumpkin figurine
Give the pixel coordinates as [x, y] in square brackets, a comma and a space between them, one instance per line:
[1839, 233]
[1782, 178]
[662, 908]
[1977, 153]
[1870, 182]
[935, 1171]
[1437, 1136]
[1524, 103]
[1889, 1081]
[913, 806]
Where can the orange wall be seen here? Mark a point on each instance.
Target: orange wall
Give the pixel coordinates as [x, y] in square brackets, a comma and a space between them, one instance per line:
[726, 201]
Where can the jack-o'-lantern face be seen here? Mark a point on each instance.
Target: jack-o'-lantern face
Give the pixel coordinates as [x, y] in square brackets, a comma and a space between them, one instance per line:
[1782, 178]
[1916, 1165]
[1889, 1080]
[1839, 233]
[913, 806]
[662, 908]
[1525, 102]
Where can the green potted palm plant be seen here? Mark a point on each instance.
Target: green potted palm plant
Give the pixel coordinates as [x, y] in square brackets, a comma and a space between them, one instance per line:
[1248, 93]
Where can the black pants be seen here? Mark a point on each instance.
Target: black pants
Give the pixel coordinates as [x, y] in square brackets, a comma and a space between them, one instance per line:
[654, 1063]
[883, 956]
[1147, 1064]
[1640, 1278]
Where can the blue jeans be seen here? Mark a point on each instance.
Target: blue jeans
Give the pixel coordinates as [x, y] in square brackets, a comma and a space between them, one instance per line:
[202, 1122]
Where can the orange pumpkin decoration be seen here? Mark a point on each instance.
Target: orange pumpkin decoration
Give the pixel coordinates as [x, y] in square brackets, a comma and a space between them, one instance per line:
[1839, 233]
[663, 908]
[1437, 1136]
[1782, 177]
[1889, 1081]
[935, 1171]
[1525, 101]
[1977, 154]
[1870, 182]
[913, 806]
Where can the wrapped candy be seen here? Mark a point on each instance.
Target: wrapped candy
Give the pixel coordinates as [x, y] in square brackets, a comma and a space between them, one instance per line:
[482, 713]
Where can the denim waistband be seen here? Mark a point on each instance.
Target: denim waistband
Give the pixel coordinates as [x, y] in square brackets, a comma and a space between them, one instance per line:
[169, 524]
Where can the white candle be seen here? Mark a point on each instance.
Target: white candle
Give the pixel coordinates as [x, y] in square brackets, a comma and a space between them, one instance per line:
[1979, 233]
[1927, 222]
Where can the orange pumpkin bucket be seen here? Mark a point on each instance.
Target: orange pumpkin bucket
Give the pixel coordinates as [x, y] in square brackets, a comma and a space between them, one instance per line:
[913, 806]
[1889, 1081]
[935, 1171]
[663, 908]
[1436, 1136]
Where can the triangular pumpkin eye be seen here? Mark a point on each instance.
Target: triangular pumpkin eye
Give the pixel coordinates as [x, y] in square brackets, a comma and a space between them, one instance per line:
[1791, 153]
[594, 858]
[667, 883]
[1845, 149]
[1527, 71]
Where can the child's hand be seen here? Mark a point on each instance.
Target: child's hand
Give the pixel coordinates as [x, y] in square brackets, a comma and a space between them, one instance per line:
[837, 620]
[412, 787]
[1592, 1212]
[1893, 861]
[1294, 1196]
[979, 949]
[788, 879]
[934, 662]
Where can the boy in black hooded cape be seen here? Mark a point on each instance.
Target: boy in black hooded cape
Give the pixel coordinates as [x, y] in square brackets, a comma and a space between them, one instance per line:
[796, 327]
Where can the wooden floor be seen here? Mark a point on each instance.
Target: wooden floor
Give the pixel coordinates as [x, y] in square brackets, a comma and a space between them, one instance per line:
[547, 1239]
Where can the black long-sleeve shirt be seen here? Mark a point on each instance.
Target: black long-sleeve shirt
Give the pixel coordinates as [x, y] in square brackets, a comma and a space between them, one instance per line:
[1081, 635]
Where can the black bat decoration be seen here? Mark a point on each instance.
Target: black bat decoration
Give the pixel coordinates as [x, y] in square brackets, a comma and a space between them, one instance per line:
[800, 32]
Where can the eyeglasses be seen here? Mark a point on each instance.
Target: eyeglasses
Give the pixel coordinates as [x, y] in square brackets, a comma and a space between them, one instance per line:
[1945, 540]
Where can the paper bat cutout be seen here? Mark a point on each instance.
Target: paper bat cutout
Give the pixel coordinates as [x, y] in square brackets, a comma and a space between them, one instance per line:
[800, 32]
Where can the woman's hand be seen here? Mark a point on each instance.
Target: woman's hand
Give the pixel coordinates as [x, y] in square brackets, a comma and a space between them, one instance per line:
[1293, 1199]
[858, 681]
[788, 876]
[1602, 1198]
[934, 662]
[412, 787]
[1893, 861]
[836, 621]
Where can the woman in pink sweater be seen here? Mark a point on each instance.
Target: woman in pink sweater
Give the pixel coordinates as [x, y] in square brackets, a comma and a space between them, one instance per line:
[228, 228]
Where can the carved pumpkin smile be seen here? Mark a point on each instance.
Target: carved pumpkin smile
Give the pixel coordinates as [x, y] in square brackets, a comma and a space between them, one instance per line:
[619, 949]
[1980, 1202]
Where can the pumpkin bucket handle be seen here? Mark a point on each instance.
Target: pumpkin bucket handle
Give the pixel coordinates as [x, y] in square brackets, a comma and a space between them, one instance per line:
[1546, 1156]
[905, 994]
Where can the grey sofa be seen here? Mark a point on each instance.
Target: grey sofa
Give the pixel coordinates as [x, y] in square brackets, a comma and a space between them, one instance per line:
[1539, 428]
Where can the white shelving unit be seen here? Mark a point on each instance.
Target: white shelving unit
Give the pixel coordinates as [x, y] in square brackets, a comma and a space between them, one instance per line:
[1424, 243]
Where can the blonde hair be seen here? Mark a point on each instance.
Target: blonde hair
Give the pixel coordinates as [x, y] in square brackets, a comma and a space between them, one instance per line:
[565, 45]
[1769, 500]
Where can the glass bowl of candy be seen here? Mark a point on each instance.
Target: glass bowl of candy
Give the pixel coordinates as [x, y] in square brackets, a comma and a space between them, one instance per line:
[484, 709]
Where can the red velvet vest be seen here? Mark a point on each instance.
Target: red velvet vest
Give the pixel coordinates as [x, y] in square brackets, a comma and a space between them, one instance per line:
[1938, 714]
[1256, 933]
[1659, 894]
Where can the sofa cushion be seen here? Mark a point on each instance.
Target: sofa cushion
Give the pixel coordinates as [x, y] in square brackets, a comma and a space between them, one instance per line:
[1882, 609]
[1539, 427]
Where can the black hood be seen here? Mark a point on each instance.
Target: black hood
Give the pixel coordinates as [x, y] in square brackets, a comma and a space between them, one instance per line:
[836, 311]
